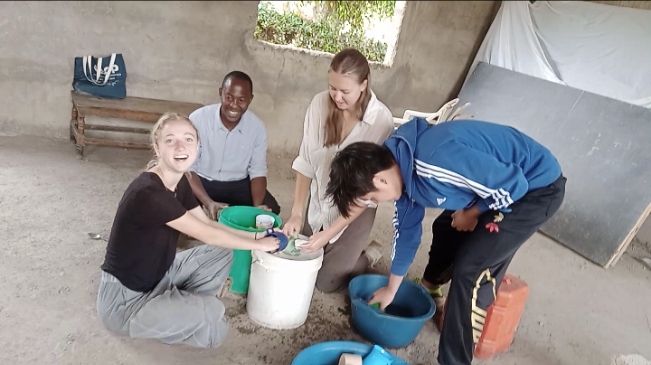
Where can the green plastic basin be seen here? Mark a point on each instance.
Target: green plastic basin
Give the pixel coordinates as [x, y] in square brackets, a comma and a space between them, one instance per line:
[243, 218]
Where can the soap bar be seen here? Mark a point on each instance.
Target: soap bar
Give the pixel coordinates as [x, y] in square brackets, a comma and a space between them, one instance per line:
[350, 359]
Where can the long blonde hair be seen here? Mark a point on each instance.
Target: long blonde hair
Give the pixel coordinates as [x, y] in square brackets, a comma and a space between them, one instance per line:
[350, 62]
[158, 127]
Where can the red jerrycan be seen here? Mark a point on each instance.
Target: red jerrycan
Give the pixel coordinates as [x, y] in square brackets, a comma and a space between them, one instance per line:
[502, 318]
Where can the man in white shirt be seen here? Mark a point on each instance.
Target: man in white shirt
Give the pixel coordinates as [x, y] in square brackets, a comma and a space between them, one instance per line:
[231, 168]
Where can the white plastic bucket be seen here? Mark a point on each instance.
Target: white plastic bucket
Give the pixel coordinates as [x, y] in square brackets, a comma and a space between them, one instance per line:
[281, 288]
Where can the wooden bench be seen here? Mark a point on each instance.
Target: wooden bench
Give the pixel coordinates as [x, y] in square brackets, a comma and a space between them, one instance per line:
[130, 108]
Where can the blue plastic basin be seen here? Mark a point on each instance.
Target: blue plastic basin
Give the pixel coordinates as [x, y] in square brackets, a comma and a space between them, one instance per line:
[328, 353]
[414, 306]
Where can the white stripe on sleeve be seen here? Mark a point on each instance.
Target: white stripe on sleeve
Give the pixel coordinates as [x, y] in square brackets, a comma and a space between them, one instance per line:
[501, 197]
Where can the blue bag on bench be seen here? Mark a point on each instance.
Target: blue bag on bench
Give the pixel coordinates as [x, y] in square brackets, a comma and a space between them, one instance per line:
[103, 77]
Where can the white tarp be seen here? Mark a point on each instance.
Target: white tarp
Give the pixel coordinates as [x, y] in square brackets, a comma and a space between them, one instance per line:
[598, 48]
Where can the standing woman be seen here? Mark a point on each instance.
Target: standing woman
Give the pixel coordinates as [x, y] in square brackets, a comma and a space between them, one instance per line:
[147, 290]
[347, 112]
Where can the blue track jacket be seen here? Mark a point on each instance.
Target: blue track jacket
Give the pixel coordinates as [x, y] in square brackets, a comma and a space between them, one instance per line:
[456, 164]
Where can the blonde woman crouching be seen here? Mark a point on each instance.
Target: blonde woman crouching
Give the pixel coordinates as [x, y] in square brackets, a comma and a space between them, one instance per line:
[147, 290]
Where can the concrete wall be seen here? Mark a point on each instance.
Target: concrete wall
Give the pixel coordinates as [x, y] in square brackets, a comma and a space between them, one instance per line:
[181, 50]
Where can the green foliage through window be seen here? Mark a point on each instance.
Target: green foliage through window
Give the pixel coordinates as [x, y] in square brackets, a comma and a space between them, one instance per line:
[340, 26]
[354, 12]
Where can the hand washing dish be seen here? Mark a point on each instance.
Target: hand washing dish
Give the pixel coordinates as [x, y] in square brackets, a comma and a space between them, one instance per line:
[294, 243]
[243, 218]
[401, 322]
[300, 242]
[283, 240]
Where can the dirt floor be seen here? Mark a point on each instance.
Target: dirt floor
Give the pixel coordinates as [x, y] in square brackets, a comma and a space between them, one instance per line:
[577, 313]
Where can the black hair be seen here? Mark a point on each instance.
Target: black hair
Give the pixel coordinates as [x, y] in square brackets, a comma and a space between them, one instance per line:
[240, 76]
[352, 171]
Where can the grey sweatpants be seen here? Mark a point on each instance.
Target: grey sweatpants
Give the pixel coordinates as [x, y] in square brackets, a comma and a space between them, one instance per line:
[344, 259]
[182, 308]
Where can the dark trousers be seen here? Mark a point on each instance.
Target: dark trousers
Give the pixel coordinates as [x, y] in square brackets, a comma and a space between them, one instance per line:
[236, 193]
[344, 259]
[476, 262]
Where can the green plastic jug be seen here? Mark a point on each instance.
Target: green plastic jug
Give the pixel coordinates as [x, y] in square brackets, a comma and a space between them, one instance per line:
[243, 218]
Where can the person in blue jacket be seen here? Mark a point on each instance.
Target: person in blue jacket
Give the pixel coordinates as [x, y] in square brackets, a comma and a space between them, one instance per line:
[496, 187]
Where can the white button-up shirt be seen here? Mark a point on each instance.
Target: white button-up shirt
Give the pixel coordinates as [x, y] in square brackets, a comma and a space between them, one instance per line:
[229, 155]
[314, 159]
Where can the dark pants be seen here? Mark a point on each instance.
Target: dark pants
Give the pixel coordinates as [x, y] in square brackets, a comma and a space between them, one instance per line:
[344, 259]
[476, 262]
[236, 193]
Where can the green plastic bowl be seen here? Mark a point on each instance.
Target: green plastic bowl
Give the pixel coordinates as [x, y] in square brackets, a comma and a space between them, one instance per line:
[242, 218]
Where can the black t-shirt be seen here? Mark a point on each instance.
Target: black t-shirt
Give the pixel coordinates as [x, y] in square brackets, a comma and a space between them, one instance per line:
[141, 247]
